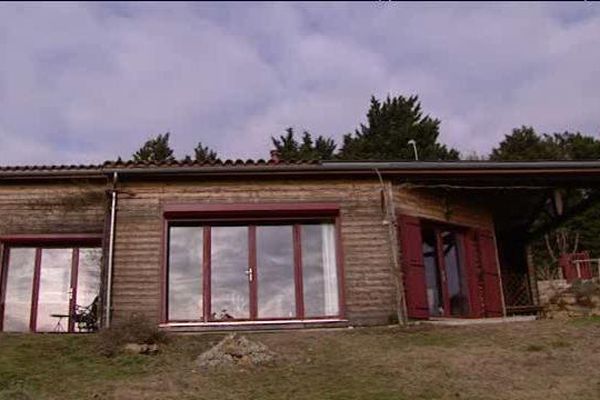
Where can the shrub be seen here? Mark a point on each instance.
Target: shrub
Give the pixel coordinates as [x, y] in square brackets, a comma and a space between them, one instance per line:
[136, 329]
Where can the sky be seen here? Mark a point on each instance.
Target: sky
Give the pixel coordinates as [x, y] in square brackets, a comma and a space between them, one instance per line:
[83, 83]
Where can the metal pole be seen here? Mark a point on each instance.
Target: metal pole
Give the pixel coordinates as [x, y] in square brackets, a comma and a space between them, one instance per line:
[111, 249]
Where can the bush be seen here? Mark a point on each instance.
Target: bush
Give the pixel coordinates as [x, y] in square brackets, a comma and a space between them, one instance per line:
[136, 329]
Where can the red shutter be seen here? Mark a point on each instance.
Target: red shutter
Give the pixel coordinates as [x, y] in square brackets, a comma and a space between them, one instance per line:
[474, 275]
[492, 288]
[413, 267]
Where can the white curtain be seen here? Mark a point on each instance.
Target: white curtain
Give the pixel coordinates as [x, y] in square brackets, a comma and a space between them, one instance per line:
[330, 281]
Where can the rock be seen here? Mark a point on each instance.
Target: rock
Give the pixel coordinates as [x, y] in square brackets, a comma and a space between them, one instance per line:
[235, 350]
[137, 348]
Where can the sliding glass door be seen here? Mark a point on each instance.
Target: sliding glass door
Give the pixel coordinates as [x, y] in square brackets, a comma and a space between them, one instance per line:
[259, 271]
[50, 289]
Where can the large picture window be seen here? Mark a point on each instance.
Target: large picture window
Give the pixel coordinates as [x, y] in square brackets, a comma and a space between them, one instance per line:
[226, 271]
[50, 288]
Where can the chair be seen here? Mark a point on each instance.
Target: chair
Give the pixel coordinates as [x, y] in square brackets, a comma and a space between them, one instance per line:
[86, 318]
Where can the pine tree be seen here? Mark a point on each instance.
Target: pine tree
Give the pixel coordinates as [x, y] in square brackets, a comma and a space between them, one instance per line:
[204, 153]
[289, 148]
[390, 126]
[155, 150]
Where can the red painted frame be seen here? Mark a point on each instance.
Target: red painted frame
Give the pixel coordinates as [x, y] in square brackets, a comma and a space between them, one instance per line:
[441, 264]
[251, 214]
[39, 242]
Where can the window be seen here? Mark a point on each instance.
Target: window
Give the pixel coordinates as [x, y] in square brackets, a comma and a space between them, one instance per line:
[261, 270]
[45, 287]
[444, 264]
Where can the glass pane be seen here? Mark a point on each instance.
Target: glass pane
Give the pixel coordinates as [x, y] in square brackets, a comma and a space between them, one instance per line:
[185, 273]
[452, 260]
[319, 271]
[19, 281]
[229, 280]
[432, 272]
[88, 288]
[275, 269]
[55, 282]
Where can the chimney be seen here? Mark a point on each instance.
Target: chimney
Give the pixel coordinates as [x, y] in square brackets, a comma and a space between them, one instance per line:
[275, 156]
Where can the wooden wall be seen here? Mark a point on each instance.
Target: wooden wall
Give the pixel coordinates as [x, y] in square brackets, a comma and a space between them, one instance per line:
[460, 208]
[52, 208]
[370, 293]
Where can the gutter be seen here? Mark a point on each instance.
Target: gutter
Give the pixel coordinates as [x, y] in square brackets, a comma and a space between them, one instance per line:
[111, 249]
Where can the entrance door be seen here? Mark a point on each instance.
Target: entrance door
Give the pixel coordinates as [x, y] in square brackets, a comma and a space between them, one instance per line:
[443, 258]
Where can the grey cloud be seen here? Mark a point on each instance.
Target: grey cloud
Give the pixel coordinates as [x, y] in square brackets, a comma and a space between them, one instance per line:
[88, 82]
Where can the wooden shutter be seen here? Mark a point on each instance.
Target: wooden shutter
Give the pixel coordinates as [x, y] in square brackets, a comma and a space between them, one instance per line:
[413, 267]
[492, 287]
[473, 274]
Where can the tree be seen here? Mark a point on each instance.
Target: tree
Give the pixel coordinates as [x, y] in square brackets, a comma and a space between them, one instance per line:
[155, 150]
[289, 148]
[525, 144]
[204, 153]
[390, 126]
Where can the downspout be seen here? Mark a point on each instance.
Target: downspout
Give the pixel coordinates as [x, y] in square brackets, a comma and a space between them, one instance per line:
[391, 222]
[111, 249]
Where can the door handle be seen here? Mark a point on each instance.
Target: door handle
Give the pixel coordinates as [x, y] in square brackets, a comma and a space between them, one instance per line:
[250, 274]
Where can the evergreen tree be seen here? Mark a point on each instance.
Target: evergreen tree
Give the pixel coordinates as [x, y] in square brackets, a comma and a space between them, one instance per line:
[524, 144]
[204, 153]
[155, 150]
[290, 149]
[390, 126]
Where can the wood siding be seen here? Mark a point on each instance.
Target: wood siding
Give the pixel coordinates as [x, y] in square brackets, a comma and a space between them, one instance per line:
[369, 288]
[52, 208]
[447, 207]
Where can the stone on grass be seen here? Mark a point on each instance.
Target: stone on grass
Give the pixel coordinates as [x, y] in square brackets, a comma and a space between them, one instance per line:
[235, 350]
[137, 348]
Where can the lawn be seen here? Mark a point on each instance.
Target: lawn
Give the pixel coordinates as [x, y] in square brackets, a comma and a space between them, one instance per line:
[532, 360]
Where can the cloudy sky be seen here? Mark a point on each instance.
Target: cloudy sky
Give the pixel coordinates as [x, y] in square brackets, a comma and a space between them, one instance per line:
[89, 82]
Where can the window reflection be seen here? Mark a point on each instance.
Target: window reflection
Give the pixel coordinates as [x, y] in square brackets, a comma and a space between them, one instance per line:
[54, 292]
[452, 261]
[185, 273]
[319, 273]
[229, 273]
[88, 284]
[275, 269]
[432, 273]
[17, 306]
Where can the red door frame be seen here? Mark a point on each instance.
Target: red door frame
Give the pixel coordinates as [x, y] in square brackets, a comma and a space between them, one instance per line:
[250, 216]
[441, 265]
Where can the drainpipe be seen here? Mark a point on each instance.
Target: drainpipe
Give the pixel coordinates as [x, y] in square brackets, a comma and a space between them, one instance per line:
[111, 249]
[390, 221]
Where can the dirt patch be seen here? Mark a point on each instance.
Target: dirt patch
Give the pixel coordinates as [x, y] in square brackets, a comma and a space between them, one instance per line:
[235, 350]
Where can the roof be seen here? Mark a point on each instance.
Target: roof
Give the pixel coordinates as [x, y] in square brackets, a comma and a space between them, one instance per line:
[585, 171]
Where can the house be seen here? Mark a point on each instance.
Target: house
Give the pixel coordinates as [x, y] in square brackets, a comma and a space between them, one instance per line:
[270, 244]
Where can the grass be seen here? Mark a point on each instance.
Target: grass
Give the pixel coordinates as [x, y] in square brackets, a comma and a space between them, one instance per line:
[536, 360]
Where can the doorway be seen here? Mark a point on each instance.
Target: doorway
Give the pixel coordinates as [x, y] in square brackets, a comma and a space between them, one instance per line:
[444, 261]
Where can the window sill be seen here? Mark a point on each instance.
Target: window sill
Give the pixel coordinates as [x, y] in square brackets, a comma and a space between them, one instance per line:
[254, 325]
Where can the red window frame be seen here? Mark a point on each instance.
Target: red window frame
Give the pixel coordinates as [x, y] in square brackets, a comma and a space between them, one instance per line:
[250, 215]
[464, 266]
[40, 242]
